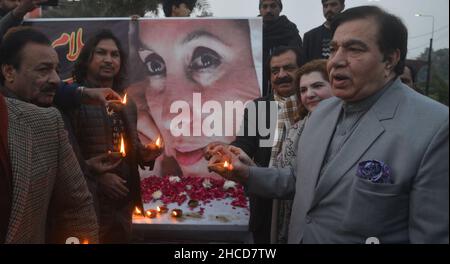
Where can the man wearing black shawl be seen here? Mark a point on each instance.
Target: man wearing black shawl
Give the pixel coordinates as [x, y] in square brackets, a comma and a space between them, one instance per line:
[277, 31]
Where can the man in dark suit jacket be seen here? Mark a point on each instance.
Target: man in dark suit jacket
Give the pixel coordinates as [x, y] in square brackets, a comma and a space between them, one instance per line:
[262, 117]
[316, 42]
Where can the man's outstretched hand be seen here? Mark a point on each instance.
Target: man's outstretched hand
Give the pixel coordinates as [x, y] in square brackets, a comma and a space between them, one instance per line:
[104, 96]
[230, 162]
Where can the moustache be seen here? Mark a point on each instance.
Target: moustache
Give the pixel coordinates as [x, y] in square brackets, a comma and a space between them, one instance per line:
[49, 88]
[283, 80]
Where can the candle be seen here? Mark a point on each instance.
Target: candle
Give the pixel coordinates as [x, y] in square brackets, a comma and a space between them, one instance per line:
[162, 209]
[151, 213]
[228, 166]
[177, 213]
[85, 242]
[122, 146]
[158, 142]
[122, 152]
[116, 105]
[137, 211]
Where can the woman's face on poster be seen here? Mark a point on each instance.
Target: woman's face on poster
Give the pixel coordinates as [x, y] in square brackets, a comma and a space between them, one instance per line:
[209, 58]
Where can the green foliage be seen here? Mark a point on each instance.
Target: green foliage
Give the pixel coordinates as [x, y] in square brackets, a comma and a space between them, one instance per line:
[439, 89]
[439, 59]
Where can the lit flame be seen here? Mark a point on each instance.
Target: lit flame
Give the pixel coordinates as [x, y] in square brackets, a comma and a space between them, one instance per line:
[177, 213]
[227, 165]
[150, 213]
[158, 142]
[137, 211]
[85, 242]
[161, 209]
[122, 146]
[124, 101]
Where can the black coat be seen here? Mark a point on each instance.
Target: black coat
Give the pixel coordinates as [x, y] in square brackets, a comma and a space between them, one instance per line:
[280, 32]
[260, 208]
[316, 44]
[94, 135]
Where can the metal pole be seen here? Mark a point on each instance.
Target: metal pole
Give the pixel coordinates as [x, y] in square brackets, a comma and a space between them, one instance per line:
[427, 88]
[430, 53]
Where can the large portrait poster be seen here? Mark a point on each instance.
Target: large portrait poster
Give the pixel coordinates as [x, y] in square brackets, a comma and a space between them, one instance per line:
[190, 80]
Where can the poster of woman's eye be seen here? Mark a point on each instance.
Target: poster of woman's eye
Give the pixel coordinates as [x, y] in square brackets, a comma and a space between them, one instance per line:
[190, 80]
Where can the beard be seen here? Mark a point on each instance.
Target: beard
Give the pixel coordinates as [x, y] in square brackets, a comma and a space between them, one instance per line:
[330, 16]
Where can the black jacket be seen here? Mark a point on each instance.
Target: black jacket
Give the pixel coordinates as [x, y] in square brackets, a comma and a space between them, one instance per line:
[280, 32]
[316, 44]
[260, 208]
[94, 135]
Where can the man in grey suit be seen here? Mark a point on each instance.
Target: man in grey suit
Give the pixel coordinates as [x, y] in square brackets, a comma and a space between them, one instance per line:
[372, 165]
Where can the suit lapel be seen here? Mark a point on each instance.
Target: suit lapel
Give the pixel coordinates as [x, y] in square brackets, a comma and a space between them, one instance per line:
[312, 147]
[318, 150]
[366, 133]
[20, 148]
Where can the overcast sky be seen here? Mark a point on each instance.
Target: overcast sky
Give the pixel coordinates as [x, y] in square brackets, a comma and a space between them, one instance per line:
[307, 14]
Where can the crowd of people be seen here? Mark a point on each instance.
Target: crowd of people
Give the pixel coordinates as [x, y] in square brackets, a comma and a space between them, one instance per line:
[358, 155]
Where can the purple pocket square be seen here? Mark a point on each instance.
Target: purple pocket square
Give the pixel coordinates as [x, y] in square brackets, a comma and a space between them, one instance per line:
[374, 171]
